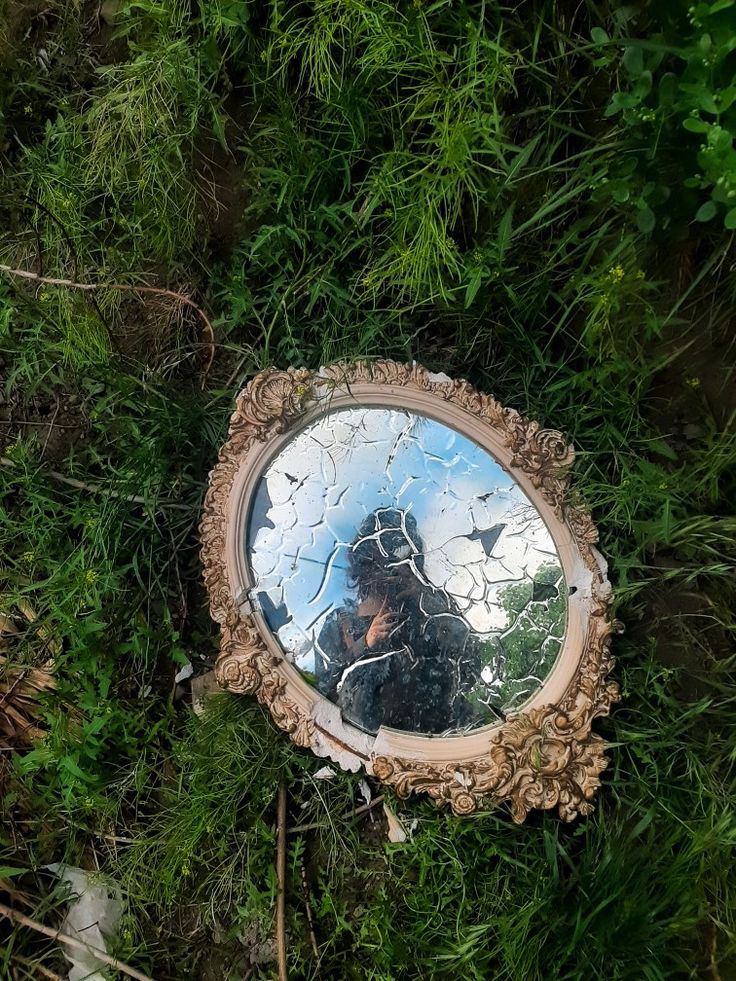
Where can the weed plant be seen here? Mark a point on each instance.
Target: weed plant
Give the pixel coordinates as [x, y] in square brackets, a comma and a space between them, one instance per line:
[535, 196]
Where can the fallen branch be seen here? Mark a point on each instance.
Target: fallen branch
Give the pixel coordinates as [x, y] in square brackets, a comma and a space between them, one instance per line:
[128, 288]
[364, 808]
[38, 968]
[281, 881]
[308, 908]
[98, 488]
[64, 938]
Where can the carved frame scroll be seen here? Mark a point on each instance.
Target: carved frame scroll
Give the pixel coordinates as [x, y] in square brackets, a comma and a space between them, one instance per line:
[547, 754]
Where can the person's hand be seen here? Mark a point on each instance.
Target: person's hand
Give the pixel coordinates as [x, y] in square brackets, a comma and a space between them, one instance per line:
[382, 626]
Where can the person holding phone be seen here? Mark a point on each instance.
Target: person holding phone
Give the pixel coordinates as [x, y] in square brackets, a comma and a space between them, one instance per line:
[398, 654]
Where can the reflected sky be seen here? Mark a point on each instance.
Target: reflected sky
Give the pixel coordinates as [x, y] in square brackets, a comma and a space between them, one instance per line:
[399, 565]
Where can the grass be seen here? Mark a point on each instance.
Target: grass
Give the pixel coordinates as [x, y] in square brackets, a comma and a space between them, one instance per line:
[527, 196]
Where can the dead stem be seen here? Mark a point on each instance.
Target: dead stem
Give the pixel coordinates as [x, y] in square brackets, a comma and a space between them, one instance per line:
[128, 288]
[97, 488]
[40, 969]
[281, 881]
[64, 938]
[364, 808]
[308, 908]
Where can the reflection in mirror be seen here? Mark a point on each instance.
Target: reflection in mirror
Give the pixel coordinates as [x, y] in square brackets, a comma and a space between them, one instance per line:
[405, 573]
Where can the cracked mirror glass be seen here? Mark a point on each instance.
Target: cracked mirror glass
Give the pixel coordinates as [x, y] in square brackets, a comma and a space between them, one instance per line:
[405, 573]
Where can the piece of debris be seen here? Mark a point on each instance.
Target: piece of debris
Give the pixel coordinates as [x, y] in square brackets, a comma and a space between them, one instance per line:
[260, 947]
[183, 673]
[202, 687]
[92, 916]
[20, 691]
[325, 773]
[396, 830]
[109, 11]
[23, 685]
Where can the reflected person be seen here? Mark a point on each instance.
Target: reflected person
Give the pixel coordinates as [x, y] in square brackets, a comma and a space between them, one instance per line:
[400, 654]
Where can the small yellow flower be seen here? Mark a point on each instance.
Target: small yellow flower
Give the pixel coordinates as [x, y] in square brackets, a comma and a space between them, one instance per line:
[90, 577]
[616, 273]
[28, 110]
[186, 870]
[693, 382]
[28, 557]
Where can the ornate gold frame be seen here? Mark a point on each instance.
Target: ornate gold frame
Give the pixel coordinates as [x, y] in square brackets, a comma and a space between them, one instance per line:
[544, 756]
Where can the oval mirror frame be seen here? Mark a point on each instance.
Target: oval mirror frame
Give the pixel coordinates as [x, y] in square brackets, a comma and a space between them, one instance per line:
[545, 755]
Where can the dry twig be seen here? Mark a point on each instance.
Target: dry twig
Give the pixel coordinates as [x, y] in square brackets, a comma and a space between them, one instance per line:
[64, 938]
[40, 969]
[363, 809]
[127, 288]
[98, 488]
[281, 881]
[308, 908]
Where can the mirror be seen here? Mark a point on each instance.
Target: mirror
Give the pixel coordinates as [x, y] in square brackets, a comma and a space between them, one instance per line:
[403, 579]
[405, 573]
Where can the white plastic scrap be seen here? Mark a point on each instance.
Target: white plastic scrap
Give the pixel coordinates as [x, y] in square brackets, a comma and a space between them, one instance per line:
[396, 830]
[325, 773]
[92, 916]
[186, 672]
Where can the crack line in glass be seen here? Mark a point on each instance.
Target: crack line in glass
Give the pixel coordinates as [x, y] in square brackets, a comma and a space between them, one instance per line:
[405, 573]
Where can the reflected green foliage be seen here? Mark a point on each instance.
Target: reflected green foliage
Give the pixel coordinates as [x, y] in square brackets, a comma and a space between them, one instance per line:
[517, 661]
[536, 627]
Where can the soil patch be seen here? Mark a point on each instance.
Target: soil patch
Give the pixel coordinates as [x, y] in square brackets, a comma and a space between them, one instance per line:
[688, 633]
[23, 22]
[102, 21]
[152, 329]
[222, 197]
[692, 400]
[221, 180]
[54, 420]
[698, 381]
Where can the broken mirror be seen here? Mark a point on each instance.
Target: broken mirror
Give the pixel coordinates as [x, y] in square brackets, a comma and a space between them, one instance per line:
[404, 572]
